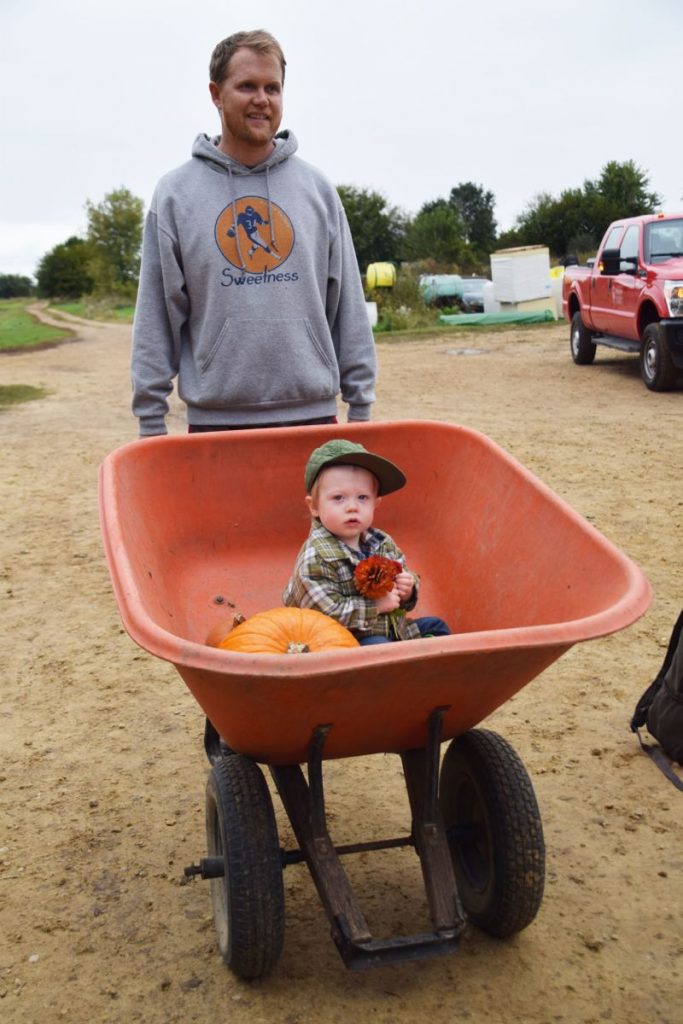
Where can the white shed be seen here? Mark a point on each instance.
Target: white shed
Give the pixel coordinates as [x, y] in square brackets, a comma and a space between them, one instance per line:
[521, 278]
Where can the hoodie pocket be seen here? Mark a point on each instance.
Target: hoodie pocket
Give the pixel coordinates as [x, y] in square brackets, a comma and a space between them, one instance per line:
[267, 362]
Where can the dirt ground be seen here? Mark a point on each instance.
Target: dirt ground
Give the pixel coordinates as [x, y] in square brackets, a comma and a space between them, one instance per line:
[103, 770]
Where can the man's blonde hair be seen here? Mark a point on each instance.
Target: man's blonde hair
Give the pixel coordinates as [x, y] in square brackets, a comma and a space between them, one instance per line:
[258, 40]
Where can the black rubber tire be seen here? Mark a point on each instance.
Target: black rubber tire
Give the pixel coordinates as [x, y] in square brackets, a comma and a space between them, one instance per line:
[656, 366]
[581, 342]
[495, 832]
[248, 902]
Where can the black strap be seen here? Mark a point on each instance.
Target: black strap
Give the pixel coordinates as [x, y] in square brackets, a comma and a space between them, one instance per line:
[643, 706]
[673, 644]
[660, 759]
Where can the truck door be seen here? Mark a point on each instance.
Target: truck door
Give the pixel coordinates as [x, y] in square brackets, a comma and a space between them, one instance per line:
[626, 287]
[601, 284]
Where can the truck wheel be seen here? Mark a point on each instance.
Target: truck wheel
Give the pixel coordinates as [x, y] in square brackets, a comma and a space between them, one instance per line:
[581, 341]
[494, 830]
[248, 901]
[656, 368]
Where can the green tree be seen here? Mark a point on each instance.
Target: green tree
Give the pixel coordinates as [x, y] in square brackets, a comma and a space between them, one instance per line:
[558, 223]
[436, 233]
[475, 209]
[63, 271]
[14, 286]
[377, 229]
[622, 190]
[115, 238]
[577, 220]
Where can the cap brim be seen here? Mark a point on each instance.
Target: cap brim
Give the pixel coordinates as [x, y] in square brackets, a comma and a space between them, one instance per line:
[390, 476]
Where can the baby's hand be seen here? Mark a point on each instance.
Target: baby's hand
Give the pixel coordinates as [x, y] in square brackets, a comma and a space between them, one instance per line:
[388, 602]
[404, 584]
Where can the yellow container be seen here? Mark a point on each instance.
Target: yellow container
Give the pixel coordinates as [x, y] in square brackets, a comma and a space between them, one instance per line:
[381, 275]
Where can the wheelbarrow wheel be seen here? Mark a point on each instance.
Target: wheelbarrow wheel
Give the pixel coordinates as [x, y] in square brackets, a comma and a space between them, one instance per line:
[214, 744]
[494, 830]
[248, 901]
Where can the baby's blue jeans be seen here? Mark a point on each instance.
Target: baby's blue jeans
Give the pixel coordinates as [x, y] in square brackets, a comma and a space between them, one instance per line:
[429, 625]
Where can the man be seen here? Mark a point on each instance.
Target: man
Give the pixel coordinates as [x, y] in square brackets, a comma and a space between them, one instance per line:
[249, 288]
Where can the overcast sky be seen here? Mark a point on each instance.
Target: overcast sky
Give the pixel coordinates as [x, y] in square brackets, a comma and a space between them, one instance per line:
[406, 98]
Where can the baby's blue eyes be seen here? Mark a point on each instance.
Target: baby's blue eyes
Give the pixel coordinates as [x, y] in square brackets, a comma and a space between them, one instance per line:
[342, 497]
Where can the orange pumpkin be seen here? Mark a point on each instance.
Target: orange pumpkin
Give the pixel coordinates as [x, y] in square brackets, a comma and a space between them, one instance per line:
[288, 631]
[221, 629]
[219, 632]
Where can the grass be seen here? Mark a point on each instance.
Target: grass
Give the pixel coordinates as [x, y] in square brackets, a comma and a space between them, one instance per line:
[75, 308]
[19, 330]
[407, 333]
[98, 309]
[415, 333]
[14, 394]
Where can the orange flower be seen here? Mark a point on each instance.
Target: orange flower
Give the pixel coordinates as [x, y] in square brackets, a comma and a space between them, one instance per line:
[375, 576]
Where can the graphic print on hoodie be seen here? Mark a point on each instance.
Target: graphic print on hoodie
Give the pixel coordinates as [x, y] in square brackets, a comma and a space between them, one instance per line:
[254, 235]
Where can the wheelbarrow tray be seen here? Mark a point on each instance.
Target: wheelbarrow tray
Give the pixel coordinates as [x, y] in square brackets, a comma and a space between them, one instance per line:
[196, 525]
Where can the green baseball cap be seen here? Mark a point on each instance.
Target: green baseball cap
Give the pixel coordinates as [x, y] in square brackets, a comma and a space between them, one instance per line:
[346, 453]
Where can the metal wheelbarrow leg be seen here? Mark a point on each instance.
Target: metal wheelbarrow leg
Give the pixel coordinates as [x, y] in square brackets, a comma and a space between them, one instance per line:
[305, 807]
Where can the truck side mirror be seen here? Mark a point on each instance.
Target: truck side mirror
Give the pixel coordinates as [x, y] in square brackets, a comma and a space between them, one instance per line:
[610, 262]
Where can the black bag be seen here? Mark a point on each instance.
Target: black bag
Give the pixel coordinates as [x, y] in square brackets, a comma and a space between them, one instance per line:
[661, 708]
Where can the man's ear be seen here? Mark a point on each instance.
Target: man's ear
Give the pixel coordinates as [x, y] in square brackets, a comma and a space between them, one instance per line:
[215, 94]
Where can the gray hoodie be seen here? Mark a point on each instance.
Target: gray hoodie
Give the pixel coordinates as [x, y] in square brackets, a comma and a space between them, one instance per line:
[250, 294]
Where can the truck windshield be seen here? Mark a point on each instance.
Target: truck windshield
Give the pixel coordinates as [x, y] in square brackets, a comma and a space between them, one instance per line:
[663, 240]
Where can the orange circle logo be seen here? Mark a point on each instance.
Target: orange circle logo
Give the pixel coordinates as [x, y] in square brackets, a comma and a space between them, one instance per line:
[254, 235]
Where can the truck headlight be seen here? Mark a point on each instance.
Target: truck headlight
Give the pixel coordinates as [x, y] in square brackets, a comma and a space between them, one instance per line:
[673, 293]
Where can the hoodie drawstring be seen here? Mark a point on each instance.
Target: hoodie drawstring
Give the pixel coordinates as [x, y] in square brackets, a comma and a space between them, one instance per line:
[235, 223]
[270, 210]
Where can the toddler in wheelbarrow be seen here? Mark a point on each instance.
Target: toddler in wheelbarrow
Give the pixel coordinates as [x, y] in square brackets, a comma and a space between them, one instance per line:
[347, 568]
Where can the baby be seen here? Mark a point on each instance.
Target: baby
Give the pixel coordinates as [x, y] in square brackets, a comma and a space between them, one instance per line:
[344, 485]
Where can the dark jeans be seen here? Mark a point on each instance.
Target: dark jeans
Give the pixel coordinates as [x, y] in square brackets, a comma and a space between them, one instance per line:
[429, 625]
[203, 428]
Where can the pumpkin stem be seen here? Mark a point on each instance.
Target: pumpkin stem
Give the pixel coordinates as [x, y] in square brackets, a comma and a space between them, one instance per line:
[295, 648]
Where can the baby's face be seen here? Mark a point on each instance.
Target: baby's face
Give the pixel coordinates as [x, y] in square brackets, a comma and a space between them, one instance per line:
[345, 501]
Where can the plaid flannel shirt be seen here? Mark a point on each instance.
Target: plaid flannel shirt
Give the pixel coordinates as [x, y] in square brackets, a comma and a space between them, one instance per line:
[323, 580]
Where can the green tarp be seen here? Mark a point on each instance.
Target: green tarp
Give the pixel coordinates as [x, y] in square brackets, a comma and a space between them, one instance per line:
[542, 316]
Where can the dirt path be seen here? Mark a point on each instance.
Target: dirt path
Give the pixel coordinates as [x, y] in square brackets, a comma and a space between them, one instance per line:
[102, 778]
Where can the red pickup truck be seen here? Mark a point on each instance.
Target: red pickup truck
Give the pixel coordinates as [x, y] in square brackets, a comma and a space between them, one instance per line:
[632, 297]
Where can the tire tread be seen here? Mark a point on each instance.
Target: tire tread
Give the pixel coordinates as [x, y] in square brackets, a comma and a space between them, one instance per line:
[238, 791]
[518, 849]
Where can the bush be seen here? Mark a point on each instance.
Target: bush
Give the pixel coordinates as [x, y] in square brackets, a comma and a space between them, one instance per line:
[402, 307]
[14, 286]
[63, 271]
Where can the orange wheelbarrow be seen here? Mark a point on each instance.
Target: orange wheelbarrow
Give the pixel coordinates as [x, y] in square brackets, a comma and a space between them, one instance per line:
[196, 524]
